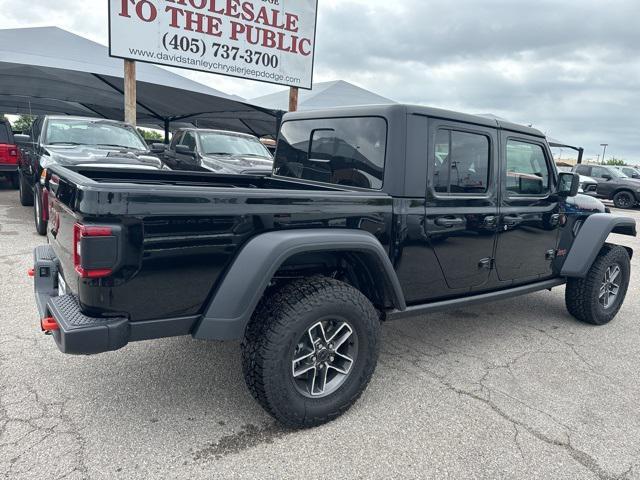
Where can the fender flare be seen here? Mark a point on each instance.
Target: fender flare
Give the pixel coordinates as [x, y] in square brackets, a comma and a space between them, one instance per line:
[246, 280]
[590, 239]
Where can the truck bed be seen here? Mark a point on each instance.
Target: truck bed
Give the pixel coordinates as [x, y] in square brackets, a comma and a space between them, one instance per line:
[180, 231]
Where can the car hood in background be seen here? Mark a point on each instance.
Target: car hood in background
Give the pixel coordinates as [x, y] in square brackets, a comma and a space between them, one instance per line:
[237, 164]
[98, 156]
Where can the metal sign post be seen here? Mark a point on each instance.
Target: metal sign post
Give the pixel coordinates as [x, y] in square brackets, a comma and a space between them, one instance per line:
[293, 99]
[130, 101]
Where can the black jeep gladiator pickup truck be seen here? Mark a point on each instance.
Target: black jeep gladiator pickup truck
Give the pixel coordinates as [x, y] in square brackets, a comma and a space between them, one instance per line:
[371, 214]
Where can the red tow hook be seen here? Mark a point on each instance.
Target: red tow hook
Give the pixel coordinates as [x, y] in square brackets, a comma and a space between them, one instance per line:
[31, 272]
[49, 324]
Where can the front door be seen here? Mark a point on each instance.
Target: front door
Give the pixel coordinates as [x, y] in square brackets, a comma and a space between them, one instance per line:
[529, 210]
[604, 176]
[461, 207]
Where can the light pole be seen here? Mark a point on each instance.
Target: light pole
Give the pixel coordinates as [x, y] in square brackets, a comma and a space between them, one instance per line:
[604, 150]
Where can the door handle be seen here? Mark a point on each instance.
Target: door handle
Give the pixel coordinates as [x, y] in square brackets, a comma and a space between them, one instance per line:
[449, 222]
[512, 219]
[490, 221]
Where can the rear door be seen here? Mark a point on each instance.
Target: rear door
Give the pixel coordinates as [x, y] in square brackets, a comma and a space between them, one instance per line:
[606, 184]
[529, 209]
[169, 156]
[461, 208]
[187, 160]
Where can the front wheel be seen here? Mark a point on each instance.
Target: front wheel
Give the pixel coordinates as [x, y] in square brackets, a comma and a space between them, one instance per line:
[38, 211]
[25, 192]
[597, 298]
[624, 200]
[310, 351]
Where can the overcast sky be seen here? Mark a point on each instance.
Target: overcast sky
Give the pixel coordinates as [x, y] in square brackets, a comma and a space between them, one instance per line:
[569, 67]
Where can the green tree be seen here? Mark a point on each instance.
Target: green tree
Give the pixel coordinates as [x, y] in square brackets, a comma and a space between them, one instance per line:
[23, 123]
[616, 162]
[150, 135]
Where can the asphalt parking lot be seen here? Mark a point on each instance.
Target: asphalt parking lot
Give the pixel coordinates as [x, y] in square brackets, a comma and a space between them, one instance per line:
[513, 389]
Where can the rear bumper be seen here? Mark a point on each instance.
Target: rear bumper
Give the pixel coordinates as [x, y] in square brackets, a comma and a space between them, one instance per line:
[77, 333]
[80, 334]
[8, 168]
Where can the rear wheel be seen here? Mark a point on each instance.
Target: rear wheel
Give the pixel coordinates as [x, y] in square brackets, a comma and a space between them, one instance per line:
[624, 199]
[26, 194]
[38, 211]
[597, 298]
[310, 351]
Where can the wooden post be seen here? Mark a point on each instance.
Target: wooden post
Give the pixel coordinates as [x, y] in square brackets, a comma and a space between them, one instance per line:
[293, 99]
[130, 101]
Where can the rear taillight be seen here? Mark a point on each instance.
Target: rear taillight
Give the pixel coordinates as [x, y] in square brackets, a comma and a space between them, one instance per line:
[81, 232]
[8, 154]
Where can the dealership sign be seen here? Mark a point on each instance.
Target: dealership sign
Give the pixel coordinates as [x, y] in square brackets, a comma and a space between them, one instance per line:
[266, 40]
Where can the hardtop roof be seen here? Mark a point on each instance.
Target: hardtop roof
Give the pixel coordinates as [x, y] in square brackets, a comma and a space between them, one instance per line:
[388, 110]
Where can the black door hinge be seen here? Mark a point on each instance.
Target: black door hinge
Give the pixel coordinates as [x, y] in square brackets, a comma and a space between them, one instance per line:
[550, 255]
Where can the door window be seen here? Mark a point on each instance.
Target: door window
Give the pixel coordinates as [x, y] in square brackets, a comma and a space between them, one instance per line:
[189, 140]
[527, 169]
[176, 140]
[599, 172]
[583, 170]
[5, 133]
[461, 163]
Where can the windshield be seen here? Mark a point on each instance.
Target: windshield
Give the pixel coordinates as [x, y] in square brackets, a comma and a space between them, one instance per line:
[215, 143]
[65, 131]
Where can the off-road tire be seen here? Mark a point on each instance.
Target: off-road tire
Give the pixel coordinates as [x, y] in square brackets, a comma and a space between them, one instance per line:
[624, 199]
[281, 317]
[41, 225]
[582, 294]
[26, 197]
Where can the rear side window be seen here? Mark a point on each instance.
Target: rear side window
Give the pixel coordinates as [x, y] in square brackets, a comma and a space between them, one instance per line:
[583, 170]
[527, 169]
[5, 134]
[461, 163]
[342, 151]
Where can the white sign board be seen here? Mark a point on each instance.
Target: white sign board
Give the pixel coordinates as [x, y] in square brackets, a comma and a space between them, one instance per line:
[266, 40]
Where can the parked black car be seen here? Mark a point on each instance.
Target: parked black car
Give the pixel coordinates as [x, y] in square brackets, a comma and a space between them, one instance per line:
[218, 151]
[613, 184]
[8, 153]
[62, 140]
[372, 214]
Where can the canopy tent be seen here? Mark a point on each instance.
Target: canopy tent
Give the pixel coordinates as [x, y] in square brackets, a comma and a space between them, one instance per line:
[49, 70]
[324, 95]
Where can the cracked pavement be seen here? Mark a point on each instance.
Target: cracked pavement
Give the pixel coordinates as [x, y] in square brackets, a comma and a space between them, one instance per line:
[511, 389]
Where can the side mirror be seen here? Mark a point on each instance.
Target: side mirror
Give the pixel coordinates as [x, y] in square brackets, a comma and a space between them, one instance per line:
[568, 184]
[22, 139]
[184, 150]
[635, 175]
[606, 176]
[158, 148]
